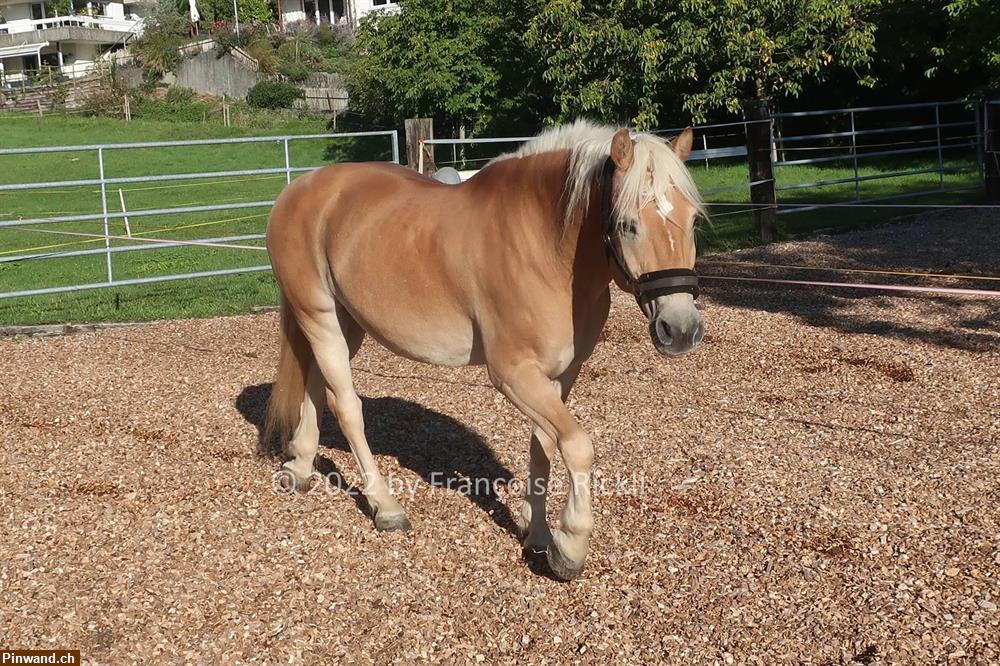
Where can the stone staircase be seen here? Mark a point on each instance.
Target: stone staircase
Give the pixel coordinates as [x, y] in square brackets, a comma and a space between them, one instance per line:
[68, 94]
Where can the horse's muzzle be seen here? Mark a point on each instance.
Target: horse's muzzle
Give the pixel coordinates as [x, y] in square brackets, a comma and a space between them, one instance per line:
[676, 327]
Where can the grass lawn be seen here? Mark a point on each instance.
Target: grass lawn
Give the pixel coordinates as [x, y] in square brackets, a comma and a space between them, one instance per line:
[186, 298]
[730, 227]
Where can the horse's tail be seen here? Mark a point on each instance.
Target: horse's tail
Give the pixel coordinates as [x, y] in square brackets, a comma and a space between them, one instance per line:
[289, 388]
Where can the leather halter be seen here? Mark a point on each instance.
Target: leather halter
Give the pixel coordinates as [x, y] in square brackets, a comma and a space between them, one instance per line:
[647, 286]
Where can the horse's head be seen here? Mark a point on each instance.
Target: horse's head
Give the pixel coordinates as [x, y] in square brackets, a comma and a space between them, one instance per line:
[650, 209]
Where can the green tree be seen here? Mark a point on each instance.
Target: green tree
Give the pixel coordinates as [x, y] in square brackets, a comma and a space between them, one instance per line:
[261, 11]
[213, 10]
[734, 51]
[603, 58]
[459, 61]
[255, 10]
[972, 45]
[57, 7]
[164, 33]
[630, 57]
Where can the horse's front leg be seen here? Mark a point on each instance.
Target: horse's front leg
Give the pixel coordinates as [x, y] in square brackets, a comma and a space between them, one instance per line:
[533, 527]
[531, 523]
[535, 394]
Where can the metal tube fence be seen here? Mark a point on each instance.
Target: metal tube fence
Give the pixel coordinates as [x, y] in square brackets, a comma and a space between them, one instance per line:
[158, 245]
[705, 154]
[104, 180]
[875, 145]
[942, 141]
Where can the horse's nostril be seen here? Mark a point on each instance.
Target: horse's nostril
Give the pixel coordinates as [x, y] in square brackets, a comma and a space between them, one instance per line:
[663, 332]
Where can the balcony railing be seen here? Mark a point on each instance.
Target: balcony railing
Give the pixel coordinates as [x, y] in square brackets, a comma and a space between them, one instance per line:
[100, 22]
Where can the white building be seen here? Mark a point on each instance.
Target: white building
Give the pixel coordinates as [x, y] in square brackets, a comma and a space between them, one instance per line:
[336, 12]
[31, 41]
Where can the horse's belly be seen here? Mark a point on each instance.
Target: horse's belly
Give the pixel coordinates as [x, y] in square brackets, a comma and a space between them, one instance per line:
[440, 338]
[451, 348]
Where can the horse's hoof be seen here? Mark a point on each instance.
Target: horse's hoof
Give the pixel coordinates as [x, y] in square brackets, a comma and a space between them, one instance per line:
[536, 543]
[286, 482]
[563, 568]
[395, 522]
[521, 528]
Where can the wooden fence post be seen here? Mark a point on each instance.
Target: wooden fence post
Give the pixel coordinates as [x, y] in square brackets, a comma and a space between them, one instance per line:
[419, 130]
[991, 150]
[759, 144]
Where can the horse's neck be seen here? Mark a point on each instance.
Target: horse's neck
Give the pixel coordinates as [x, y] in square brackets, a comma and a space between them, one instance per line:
[578, 237]
[581, 239]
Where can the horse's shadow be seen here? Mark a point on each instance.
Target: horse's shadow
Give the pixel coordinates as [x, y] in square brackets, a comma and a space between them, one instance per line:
[442, 451]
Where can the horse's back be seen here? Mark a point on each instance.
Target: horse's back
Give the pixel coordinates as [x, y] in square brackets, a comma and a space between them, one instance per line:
[381, 240]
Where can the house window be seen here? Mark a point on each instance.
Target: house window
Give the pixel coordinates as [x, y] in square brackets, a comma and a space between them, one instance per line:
[378, 3]
[37, 12]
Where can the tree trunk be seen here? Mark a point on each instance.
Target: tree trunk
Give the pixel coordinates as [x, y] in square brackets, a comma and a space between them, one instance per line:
[762, 195]
[991, 150]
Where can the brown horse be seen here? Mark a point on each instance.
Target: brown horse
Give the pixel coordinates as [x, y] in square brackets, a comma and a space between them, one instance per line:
[510, 269]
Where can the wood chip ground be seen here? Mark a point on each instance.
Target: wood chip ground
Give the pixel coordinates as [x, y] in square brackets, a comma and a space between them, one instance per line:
[818, 483]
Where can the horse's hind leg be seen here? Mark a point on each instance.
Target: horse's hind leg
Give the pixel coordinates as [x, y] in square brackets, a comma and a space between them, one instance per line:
[305, 440]
[334, 337]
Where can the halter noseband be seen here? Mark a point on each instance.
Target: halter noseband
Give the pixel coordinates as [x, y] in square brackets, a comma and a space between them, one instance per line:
[647, 286]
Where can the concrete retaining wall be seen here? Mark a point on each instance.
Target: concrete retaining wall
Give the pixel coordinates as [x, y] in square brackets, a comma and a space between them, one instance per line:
[207, 73]
[323, 92]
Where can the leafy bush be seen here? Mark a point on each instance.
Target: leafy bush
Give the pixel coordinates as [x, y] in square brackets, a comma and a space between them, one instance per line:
[262, 51]
[332, 39]
[105, 101]
[255, 11]
[294, 71]
[178, 95]
[165, 32]
[293, 54]
[333, 44]
[274, 95]
[175, 104]
[253, 40]
[225, 37]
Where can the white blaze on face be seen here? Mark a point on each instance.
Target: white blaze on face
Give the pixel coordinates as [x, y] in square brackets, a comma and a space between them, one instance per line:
[663, 208]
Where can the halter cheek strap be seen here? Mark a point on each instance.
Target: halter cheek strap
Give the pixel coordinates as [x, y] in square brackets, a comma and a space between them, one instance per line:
[647, 286]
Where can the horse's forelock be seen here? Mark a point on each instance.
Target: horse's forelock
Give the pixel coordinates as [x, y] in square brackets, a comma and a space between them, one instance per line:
[655, 156]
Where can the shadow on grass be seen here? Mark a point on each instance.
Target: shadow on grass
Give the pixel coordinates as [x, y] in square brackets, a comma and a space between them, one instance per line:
[442, 451]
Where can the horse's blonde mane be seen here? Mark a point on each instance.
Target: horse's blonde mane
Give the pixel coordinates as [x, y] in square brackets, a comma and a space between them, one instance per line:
[589, 145]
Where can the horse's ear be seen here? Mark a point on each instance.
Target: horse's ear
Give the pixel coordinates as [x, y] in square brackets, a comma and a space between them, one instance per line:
[682, 144]
[622, 149]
